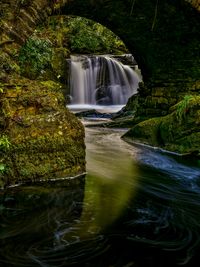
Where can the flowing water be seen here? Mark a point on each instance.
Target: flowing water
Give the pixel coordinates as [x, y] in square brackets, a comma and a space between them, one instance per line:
[101, 80]
[135, 207]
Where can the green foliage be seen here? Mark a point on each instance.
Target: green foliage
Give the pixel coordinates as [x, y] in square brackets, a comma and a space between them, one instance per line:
[48, 48]
[86, 36]
[4, 146]
[4, 143]
[34, 56]
[1, 88]
[2, 168]
[182, 107]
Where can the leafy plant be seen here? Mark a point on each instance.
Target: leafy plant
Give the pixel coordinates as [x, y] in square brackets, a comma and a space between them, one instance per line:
[182, 107]
[34, 56]
[1, 88]
[2, 168]
[88, 36]
[4, 143]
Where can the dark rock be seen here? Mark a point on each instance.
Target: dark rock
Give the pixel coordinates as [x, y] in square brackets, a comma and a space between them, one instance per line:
[92, 114]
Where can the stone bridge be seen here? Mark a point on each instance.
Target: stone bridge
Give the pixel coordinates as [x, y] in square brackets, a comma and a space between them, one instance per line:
[164, 38]
[39, 138]
[162, 35]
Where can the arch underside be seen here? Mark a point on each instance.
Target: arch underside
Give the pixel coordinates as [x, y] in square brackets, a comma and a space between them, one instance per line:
[162, 35]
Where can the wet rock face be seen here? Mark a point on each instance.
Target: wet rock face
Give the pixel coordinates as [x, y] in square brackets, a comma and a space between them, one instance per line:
[40, 138]
[155, 98]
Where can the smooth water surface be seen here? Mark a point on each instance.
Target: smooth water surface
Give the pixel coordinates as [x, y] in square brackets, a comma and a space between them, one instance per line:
[136, 207]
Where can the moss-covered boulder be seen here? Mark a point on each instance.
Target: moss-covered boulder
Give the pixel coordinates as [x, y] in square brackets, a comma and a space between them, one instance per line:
[179, 131]
[146, 131]
[40, 139]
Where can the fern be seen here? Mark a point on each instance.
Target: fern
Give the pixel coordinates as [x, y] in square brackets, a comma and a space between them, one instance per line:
[182, 107]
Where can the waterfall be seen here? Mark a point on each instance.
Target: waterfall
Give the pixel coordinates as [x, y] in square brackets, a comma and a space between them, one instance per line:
[101, 80]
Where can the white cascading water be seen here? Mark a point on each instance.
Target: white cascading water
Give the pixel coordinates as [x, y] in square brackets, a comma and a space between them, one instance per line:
[101, 80]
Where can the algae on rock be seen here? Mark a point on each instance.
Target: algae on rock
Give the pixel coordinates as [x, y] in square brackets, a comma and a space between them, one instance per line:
[178, 131]
[45, 140]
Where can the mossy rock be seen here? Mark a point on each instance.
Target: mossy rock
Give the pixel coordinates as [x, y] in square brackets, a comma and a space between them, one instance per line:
[182, 126]
[45, 140]
[145, 132]
[179, 131]
[132, 104]
[157, 102]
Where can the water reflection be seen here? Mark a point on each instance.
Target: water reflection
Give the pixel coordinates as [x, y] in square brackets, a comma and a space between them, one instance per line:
[31, 218]
[136, 207]
[110, 183]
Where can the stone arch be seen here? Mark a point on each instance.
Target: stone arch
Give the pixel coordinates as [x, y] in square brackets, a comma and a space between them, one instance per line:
[164, 38]
[163, 35]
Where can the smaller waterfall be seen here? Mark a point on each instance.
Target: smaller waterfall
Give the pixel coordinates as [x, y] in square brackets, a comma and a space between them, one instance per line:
[101, 80]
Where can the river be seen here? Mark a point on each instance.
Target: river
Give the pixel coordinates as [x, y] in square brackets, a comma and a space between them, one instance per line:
[135, 207]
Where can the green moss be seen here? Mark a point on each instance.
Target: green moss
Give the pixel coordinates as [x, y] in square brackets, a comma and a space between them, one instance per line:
[146, 131]
[178, 131]
[86, 36]
[47, 141]
[182, 107]
[190, 143]
[1, 88]
[35, 56]
[4, 143]
[51, 84]
[2, 167]
[59, 62]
